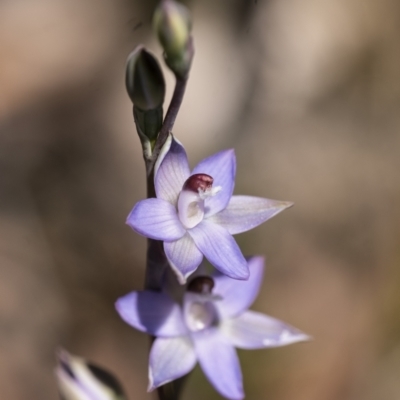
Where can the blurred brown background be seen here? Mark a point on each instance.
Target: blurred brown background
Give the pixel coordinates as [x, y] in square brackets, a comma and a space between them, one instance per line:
[308, 93]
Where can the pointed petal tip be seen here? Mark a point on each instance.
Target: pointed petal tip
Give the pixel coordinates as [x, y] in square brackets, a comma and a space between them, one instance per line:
[287, 204]
[303, 337]
[182, 278]
[170, 359]
[178, 274]
[164, 150]
[297, 336]
[150, 386]
[129, 217]
[153, 386]
[241, 276]
[183, 257]
[288, 338]
[256, 258]
[118, 305]
[283, 205]
[127, 221]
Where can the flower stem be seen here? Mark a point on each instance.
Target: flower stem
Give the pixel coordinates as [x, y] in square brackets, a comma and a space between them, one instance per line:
[171, 115]
[169, 121]
[171, 390]
[157, 262]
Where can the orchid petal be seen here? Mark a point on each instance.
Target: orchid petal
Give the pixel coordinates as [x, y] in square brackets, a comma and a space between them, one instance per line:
[253, 330]
[152, 312]
[171, 173]
[246, 212]
[163, 152]
[70, 388]
[79, 379]
[183, 256]
[220, 248]
[238, 296]
[219, 362]
[170, 358]
[222, 168]
[156, 219]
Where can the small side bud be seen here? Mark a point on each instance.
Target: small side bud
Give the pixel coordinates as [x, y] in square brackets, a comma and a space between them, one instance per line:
[172, 23]
[144, 80]
[80, 380]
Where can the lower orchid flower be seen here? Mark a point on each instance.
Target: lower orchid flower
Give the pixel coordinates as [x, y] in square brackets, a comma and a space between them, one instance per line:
[195, 214]
[211, 321]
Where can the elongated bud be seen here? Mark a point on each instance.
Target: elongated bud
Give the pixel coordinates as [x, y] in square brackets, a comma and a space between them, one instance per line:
[144, 80]
[80, 380]
[172, 23]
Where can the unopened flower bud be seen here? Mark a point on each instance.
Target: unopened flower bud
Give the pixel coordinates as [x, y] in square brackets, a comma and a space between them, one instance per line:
[144, 80]
[80, 380]
[173, 25]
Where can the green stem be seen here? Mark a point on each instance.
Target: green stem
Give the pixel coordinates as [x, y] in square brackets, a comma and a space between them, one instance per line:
[169, 120]
[172, 390]
[157, 262]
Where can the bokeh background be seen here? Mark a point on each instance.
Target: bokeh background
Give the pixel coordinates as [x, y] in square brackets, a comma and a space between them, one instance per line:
[308, 93]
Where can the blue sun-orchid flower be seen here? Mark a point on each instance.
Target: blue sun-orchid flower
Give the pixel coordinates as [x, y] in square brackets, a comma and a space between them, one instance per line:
[212, 320]
[196, 215]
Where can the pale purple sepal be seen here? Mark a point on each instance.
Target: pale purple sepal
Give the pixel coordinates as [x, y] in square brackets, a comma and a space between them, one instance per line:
[219, 362]
[253, 330]
[222, 167]
[221, 249]
[156, 219]
[152, 312]
[172, 173]
[77, 379]
[170, 358]
[237, 295]
[246, 212]
[183, 256]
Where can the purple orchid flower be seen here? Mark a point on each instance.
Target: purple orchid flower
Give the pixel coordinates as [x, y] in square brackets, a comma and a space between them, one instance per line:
[211, 322]
[195, 213]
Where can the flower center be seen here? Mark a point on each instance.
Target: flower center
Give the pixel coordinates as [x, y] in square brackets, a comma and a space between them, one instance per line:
[195, 191]
[201, 284]
[200, 316]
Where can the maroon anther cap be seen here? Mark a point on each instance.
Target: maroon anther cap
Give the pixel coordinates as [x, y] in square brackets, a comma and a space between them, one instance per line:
[198, 182]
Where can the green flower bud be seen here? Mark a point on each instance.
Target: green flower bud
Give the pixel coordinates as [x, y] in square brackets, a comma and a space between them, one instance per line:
[173, 25]
[148, 123]
[144, 80]
[80, 380]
